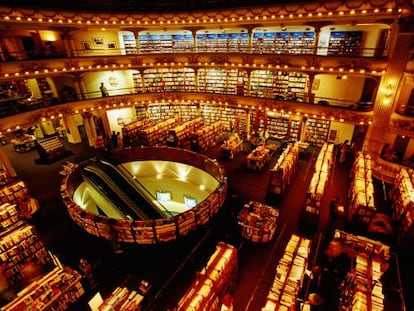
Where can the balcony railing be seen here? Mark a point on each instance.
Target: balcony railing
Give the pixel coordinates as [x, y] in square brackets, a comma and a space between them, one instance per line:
[255, 50]
[13, 106]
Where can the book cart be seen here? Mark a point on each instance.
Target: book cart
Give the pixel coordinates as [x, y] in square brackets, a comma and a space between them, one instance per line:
[207, 136]
[216, 280]
[402, 194]
[258, 222]
[289, 275]
[317, 186]
[282, 172]
[361, 193]
[362, 288]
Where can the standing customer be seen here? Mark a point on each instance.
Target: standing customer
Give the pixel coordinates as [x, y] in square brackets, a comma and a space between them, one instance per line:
[103, 89]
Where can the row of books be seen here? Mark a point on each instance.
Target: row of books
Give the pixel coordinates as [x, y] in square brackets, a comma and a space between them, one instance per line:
[289, 275]
[213, 282]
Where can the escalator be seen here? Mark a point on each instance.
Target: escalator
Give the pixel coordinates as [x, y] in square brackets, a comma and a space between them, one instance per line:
[131, 190]
[101, 183]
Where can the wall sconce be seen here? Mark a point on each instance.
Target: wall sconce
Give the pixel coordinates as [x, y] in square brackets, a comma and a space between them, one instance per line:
[388, 90]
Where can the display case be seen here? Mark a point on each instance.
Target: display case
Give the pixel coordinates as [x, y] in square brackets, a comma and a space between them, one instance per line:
[258, 222]
[289, 275]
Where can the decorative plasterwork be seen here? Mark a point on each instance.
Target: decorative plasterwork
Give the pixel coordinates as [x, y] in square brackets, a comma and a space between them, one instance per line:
[402, 126]
[281, 12]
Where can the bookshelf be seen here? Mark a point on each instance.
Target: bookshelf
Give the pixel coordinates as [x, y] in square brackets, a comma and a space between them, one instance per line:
[183, 42]
[278, 84]
[317, 131]
[217, 80]
[207, 136]
[180, 135]
[362, 287]
[277, 125]
[283, 171]
[258, 222]
[12, 193]
[137, 80]
[234, 119]
[56, 290]
[289, 275]
[19, 243]
[402, 194]
[361, 192]
[319, 181]
[130, 132]
[155, 135]
[169, 79]
[283, 42]
[344, 43]
[130, 44]
[213, 282]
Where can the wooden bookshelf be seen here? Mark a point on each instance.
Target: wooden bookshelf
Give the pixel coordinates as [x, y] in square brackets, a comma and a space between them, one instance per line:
[317, 131]
[130, 131]
[207, 136]
[213, 282]
[56, 290]
[12, 193]
[283, 171]
[361, 192]
[362, 287]
[289, 275]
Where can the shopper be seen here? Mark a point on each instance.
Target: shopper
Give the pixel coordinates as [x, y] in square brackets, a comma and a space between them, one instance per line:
[114, 140]
[344, 152]
[104, 91]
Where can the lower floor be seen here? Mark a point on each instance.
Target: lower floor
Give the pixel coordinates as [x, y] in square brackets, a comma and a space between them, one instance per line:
[171, 267]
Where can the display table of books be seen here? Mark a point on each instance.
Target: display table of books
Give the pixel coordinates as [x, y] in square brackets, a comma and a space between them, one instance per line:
[257, 222]
[257, 159]
[232, 146]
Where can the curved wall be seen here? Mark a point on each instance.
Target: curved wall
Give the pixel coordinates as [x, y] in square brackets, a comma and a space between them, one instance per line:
[152, 231]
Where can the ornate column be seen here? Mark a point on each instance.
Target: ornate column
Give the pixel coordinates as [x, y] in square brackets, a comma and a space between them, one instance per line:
[250, 28]
[310, 95]
[317, 26]
[399, 53]
[79, 86]
[90, 129]
[136, 31]
[249, 80]
[67, 39]
[194, 33]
